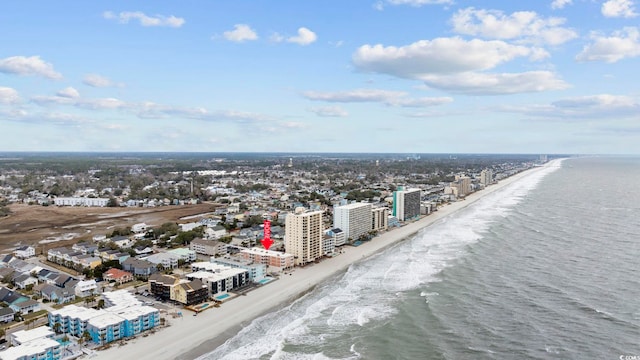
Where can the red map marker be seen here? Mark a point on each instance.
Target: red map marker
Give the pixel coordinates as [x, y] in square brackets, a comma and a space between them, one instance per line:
[266, 241]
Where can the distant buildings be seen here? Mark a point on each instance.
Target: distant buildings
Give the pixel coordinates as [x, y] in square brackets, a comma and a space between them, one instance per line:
[80, 201]
[303, 236]
[406, 203]
[486, 177]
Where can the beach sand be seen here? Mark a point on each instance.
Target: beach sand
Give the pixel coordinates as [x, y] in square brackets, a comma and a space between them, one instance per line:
[191, 336]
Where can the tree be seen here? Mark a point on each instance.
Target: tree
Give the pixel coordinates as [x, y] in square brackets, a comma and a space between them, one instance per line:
[112, 202]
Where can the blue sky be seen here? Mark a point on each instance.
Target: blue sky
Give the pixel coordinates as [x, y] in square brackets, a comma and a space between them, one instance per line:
[415, 76]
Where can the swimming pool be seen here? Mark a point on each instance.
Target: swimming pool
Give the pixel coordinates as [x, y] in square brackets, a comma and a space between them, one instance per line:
[221, 297]
[265, 280]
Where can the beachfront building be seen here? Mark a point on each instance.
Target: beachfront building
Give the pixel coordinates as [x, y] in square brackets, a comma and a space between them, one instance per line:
[406, 203]
[37, 344]
[160, 285]
[125, 316]
[190, 293]
[337, 235]
[463, 185]
[186, 292]
[303, 236]
[274, 260]
[354, 219]
[486, 177]
[257, 271]
[218, 278]
[379, 219]
[24, 336]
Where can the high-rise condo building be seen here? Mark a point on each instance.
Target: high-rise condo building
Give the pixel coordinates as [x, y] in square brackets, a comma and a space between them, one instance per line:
[406, 203]
[353, 219]
[303, 236]
[486, 177]
[379, 218]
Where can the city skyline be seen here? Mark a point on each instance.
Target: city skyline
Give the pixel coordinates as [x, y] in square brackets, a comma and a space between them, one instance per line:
[401, 76]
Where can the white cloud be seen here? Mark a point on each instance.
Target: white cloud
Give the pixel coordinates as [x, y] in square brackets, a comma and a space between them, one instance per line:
[54, 118]
[100, 81]
[619, 8]
[560, 4]
[304, 37]
[496, 84]
[8, 95]
[526, 26]
[621, 44]
[418, 3]
[145, 20]
[389, 98]
[602, 106]
[33, 65]
[440, 56]
[276, 37]
[240, 33]
[68, 92]
[329, 111]
[601, 101]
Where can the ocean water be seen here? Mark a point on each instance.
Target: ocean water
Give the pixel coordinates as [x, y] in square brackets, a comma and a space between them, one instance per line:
[542, 269]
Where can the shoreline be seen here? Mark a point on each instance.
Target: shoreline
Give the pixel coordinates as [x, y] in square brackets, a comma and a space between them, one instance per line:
[190, 337]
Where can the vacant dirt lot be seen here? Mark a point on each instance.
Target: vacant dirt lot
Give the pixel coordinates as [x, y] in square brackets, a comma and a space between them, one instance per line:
[52, 226]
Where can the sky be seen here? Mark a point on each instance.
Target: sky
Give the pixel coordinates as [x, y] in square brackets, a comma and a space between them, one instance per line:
[384, 76]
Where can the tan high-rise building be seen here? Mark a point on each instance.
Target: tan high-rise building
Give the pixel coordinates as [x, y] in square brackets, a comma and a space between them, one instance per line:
[303, 236]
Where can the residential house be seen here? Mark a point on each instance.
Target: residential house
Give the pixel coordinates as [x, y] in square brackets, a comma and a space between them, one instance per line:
[6, 315]
[25, 305]
[24, 280]
[25, 252]
[139, 268]
[143, 250]
[118, 276]
[167, 260]
[86, 288]
[185, 254]
[55, 294]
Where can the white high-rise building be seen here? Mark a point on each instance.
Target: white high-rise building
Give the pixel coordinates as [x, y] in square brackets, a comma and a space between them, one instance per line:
[353, 219]
[303, 236]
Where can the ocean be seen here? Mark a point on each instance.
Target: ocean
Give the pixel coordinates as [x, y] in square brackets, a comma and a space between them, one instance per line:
[544, 268]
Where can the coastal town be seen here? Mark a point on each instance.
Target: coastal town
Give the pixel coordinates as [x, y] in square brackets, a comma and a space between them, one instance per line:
[269, 220]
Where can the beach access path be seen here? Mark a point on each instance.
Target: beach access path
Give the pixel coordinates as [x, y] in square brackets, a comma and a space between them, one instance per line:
[191, 336]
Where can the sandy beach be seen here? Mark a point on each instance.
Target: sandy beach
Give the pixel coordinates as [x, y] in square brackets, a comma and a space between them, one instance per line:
[192, 336]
